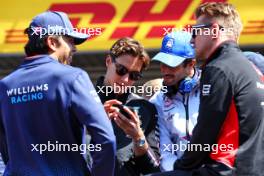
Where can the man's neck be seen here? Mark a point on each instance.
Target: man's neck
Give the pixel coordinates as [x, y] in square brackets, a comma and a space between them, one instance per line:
[54, 56]
[216, 46]
[106, 82]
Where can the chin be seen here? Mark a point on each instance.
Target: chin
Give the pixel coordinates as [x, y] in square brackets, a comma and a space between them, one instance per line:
[118, 89]
[69, 59]
[167, 83]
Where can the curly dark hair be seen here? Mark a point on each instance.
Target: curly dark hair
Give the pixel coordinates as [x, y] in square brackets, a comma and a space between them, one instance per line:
[129, 46]
[36, 44]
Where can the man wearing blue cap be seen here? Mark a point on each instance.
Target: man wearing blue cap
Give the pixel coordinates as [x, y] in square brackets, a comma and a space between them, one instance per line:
[178, 107]
[231, 109]
[45, 105]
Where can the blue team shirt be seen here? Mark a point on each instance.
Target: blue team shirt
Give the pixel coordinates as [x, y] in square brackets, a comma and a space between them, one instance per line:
[45, 102]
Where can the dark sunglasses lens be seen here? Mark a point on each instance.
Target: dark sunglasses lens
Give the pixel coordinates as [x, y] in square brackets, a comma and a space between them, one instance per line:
[121, 70]
[135, 76]
[195, 29]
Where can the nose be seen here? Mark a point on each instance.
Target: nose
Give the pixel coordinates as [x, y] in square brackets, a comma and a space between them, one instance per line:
[163, 68]
[125, 78]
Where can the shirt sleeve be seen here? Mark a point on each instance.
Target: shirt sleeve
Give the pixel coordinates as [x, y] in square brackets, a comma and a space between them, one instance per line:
[149, 162]
[3, 144]
[215, 99]
[168, 157]
[88, 108]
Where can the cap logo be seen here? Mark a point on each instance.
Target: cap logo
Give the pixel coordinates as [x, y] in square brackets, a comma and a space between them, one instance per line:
[169, 44]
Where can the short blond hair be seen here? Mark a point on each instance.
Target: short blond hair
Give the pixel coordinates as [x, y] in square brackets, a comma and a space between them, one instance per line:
[224, 14]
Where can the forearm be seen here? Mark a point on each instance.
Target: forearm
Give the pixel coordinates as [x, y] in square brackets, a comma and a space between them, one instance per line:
[144, 155]
[140, 149]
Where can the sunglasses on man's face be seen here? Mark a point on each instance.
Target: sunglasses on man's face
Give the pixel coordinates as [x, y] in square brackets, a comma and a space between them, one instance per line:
[121, 70]
[200, 26]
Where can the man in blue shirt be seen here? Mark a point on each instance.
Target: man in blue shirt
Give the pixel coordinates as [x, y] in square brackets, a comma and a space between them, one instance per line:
[46, 104]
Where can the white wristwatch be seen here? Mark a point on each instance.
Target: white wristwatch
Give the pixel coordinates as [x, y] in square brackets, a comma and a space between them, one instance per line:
[140, 143]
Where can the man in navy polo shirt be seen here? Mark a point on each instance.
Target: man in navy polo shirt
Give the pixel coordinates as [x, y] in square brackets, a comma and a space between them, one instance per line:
[45, 105]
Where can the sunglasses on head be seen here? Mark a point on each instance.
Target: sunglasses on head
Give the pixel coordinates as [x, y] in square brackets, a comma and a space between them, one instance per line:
[121, 70]
[200, 26]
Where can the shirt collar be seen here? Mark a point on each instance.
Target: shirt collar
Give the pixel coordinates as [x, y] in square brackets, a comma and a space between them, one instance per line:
[36, 60]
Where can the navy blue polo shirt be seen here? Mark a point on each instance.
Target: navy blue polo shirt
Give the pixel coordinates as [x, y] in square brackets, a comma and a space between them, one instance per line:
[44, 108]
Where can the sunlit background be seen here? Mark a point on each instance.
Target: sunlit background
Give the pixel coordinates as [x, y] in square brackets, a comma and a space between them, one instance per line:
[108, 20]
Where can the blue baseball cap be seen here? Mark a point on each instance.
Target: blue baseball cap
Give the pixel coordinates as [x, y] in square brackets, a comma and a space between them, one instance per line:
[55, 23]
[175, 48]
[256, 58]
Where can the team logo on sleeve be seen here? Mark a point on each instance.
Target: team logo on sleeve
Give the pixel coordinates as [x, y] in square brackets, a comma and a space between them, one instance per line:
[206, 89]
[167, 102]
[260, 85]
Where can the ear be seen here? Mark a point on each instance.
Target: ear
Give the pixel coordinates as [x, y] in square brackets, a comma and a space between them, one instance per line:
[52, 43]
[215, 31]
[193, 62]
[108, 61]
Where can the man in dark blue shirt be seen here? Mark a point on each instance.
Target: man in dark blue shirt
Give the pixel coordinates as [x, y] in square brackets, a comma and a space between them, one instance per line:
[45, 105]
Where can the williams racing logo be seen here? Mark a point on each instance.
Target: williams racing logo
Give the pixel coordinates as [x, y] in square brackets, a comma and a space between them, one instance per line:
[27, 93]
